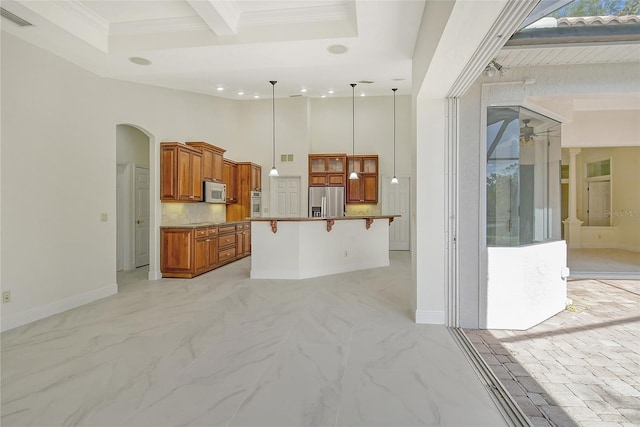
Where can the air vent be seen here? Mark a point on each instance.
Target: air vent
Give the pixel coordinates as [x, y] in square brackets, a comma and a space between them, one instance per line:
[14, 18]
[286, 158]
[294, 96]
[365, 82]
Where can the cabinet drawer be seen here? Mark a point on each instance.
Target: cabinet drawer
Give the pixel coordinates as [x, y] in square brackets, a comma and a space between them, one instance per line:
[201, 232]
[226, 254]
[247, 226]
[227, 229]
[213, 231]
[229, 240]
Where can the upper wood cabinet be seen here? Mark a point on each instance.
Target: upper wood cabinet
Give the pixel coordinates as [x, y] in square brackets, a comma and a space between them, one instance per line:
[180, 173]
[327, 170]
[212, 158]
[230, 178]
[249, 177]
[365, 188]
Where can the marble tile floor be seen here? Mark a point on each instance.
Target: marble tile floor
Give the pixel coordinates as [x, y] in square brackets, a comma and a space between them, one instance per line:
[581, 368]
[224, 350]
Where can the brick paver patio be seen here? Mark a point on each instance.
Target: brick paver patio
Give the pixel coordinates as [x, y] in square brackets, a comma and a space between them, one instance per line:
[579, 368]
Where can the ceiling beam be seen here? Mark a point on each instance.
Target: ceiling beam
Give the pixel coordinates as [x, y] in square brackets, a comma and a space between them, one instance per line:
[222, 16]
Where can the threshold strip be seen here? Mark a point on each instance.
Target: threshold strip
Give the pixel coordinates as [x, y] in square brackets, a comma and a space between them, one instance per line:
[510, 410]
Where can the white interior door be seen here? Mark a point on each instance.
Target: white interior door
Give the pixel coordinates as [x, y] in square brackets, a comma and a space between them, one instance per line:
[396, 201]
[142, 216]
[285, 200]
[599, 199]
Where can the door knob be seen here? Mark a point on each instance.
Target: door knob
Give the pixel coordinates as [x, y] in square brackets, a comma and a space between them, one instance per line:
[139, 221]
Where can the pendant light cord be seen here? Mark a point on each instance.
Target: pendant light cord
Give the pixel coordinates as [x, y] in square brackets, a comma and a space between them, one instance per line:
[273, 109]
[353, 128]
[394, 131]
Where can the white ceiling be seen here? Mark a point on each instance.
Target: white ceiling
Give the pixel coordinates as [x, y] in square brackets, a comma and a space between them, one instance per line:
[237, 45]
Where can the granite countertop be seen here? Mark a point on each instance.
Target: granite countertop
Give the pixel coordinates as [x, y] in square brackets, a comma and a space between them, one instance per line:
[203, 224]
[306, 218]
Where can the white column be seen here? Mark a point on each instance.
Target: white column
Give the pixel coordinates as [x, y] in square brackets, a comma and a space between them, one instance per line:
[572, 229]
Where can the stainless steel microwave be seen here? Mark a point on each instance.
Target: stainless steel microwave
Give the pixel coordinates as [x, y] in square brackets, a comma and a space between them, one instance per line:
[215, 192]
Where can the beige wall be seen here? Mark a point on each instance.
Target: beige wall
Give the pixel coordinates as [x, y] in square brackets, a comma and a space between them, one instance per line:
[625, 197]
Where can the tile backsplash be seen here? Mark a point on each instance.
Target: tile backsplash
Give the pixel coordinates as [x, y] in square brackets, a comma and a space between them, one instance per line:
[190, 213]
[362, 209]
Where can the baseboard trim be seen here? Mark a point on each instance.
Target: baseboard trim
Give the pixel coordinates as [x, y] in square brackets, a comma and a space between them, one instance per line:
[429, 317]
[37, 313]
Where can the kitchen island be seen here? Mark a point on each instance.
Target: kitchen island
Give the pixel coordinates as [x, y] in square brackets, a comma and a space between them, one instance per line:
[300, 248]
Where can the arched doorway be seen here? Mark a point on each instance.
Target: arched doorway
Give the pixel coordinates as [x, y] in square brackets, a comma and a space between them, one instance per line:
[133, 201]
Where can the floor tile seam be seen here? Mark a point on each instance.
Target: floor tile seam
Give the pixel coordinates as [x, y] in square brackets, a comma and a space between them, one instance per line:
[251, 389]
[344, 374]
[605, 282]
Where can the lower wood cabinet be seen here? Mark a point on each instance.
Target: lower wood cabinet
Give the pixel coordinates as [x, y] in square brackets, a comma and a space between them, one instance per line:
[187, 252]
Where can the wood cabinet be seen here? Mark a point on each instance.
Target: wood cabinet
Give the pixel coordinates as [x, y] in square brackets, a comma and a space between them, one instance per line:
[212, 159]
[249, 179]
[180, 173]
[226, 244]
[365, 188]
[186, 252]
[230, 178]
[327, 170]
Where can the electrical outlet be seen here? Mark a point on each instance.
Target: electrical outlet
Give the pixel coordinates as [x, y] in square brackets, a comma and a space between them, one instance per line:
[104, 217]
[6, 296]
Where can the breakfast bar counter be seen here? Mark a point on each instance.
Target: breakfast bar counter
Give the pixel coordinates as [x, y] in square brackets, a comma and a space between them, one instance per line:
[300, 248]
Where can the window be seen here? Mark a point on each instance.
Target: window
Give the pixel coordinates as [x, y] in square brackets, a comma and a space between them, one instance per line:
[523, 177]
[598, 193]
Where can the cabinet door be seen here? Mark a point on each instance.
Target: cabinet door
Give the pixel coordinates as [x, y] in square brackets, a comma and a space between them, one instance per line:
[247, 242]
[318, 180]
[168, 176]
[201, 258]
[370, 188]
[240, 243]
[354, 190]
[185, 177]
[212, 252]
[256, 178]
[335, 179]
[196, 177]
[217, 161]
[207, 165]
[176, 254]
[317, 164]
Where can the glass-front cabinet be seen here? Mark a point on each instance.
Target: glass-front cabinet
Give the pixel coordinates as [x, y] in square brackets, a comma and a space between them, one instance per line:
[522, 177]
[327, 169]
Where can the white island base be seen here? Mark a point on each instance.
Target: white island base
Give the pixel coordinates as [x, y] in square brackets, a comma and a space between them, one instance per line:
[300, 248]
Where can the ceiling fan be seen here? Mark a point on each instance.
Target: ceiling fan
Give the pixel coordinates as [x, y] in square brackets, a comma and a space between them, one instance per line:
[527, 133]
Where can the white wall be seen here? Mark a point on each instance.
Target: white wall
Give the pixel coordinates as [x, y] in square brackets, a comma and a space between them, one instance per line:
[59, 173]
[602, 128]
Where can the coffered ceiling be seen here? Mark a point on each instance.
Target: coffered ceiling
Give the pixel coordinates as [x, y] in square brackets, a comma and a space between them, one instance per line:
[232, 48]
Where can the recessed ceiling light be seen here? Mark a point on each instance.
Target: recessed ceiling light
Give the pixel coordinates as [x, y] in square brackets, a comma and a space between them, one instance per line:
[331, 91]
[323, 96]
[362, 94]
[241, 93]
[303, 90]
[139, 61]
[220, 89]
[337, 49]
[256, 96]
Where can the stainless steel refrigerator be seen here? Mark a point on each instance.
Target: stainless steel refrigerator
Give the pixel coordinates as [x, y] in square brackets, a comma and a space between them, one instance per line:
[326, 201]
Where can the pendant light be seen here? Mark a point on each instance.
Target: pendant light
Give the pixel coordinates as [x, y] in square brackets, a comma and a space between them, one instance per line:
[274, 171]
[353, 174]
[394, 180]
